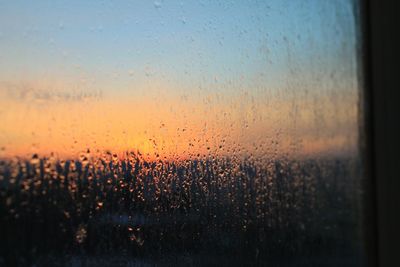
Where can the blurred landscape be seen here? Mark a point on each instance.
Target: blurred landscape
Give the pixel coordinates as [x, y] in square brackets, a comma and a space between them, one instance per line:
[221, 133]
[126, 211]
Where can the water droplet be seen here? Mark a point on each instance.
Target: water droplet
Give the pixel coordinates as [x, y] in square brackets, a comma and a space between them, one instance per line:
[81, 234]
[157, 4]
[35, 159]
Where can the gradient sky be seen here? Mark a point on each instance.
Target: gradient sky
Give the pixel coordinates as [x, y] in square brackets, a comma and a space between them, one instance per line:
[122, 75]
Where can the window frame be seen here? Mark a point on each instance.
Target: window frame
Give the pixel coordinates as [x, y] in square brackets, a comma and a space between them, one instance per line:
[380, 133]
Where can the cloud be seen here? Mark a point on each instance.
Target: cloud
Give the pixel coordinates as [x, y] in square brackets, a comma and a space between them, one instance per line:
[36, 91]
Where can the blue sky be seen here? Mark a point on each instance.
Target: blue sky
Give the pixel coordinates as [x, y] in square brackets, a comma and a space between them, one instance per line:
[190, 43]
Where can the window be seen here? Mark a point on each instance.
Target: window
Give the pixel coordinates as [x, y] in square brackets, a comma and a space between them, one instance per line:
[181, 133]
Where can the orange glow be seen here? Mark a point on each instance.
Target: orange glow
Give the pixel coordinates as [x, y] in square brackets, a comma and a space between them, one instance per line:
[159, 124]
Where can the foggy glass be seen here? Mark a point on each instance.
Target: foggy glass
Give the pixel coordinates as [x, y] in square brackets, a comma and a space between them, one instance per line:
[180, 133]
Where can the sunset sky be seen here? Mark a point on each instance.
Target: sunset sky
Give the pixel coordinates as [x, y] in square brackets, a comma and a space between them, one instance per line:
[178, 78]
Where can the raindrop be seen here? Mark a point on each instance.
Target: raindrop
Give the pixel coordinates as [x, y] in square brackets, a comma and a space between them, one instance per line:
[157, 4]
[81, 234]
[35, 159]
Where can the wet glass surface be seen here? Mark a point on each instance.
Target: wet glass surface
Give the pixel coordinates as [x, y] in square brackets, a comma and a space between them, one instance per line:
[140, 133]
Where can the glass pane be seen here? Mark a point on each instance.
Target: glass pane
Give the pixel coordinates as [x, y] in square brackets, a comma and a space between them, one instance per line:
[179, 133]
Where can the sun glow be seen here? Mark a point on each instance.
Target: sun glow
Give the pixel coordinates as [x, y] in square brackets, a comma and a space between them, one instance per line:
[162, 125]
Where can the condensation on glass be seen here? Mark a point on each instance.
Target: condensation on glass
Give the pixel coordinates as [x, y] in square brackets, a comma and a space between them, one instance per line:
[180, 133]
